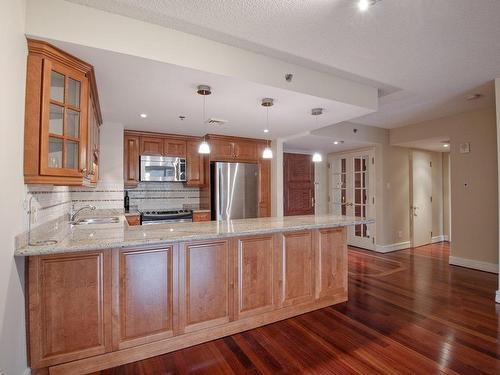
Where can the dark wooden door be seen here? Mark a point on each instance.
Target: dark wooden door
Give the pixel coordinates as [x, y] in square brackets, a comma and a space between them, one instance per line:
[298, 184]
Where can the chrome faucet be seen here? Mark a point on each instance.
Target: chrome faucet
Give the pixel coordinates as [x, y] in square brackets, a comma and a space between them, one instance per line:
[73, 214]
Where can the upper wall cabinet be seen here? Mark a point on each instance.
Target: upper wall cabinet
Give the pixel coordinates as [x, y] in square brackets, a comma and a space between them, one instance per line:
[62, 119]
[226, 148]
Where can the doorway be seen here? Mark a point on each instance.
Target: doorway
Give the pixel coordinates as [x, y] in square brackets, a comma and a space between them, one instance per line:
[352, 193]
[298, 184]
[420, 198]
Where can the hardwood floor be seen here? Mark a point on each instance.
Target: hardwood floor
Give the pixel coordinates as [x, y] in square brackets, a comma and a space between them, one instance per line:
[408, 312]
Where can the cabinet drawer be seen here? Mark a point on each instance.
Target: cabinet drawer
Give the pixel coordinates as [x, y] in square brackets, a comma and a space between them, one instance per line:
[201, 216]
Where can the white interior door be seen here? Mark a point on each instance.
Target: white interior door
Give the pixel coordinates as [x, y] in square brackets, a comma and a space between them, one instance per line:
[421, 198]
[352, 193]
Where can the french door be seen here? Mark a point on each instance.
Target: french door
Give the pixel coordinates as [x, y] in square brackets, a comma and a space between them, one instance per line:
[352, 193]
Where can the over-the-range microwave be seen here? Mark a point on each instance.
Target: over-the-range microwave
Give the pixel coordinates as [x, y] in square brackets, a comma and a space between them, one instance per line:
[162, 168]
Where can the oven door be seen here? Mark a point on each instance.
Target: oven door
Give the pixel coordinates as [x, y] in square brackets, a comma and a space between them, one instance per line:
[160, 168]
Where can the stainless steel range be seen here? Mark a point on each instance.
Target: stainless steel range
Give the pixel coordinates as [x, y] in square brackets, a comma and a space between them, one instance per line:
[158, 217]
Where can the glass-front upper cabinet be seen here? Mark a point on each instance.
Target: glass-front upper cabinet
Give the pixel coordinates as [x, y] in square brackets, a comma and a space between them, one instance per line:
[60, 148]
[64, 121]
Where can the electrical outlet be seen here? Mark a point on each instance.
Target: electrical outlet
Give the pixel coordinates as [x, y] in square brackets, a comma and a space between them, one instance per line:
[400, 234]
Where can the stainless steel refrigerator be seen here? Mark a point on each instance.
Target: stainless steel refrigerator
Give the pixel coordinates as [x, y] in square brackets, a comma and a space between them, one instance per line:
[234, 190]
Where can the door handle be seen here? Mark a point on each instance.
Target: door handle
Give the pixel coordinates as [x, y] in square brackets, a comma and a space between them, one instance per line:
[312, 201]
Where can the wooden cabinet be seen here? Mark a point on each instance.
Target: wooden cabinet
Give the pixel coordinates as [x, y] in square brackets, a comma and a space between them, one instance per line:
[297, 265]
[205, 290]
[143, 296]
[224, 148]
[93, 310]
[133, 219]
[61, 112]
[221, 149]
[174, 147]
[151, 146]
[245, 150]
[201, 216]
[195, 164]
[131, 160]
[69, 307]
[254, 276]
[331, 259]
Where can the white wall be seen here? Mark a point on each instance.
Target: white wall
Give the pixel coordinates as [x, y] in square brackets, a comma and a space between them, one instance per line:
[13, 66]
[497, 101]
[111, 158]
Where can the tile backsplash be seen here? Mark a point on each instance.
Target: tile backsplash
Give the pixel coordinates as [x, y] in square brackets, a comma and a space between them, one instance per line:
[164, 195]
[49, 203]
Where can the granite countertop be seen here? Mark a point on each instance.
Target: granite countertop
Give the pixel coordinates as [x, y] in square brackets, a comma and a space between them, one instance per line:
[121, 235]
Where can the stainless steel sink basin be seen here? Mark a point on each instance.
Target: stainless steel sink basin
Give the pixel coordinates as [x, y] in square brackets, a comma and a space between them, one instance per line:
[97, 220]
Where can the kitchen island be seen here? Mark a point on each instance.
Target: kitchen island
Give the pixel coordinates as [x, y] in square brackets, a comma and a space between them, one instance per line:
[110, 294]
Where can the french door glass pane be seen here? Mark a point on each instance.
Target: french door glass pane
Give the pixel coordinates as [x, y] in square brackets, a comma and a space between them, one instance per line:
[73, 98]
[71, 154]
[57, 86]
[73, 123]
[55, 152]
[56, 114]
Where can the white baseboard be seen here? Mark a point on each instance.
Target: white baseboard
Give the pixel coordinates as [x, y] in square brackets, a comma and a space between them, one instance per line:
[440, 238]
[497, 297]
[392, 247]
[474, 264]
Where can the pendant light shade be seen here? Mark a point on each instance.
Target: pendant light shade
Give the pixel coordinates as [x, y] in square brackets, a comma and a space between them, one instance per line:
[268, 153]
[204, 148]
[266, 103]
[317, 158]
[204, 90]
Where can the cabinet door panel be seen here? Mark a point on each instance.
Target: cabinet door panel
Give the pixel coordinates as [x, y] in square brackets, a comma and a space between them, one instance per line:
[297, 267]
[255, 276]
[206, 285]
[131, 159]
[221, 149]
[143, 304]
[151, 146]
[332, 263]
[69, 307]
[245, 150]
[174, 147]
[265, 188]
[194, 164]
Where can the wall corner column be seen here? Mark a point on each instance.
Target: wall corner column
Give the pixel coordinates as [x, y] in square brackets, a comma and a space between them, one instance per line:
[497, 104]
[277, 178]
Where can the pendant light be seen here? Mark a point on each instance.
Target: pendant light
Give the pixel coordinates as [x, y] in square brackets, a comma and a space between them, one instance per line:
[317, 157]
[268, 152]
[204, 90]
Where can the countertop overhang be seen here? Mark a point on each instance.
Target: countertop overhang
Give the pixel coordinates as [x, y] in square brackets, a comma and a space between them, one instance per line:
[121, 235]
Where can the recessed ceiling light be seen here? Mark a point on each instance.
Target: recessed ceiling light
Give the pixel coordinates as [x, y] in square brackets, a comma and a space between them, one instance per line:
[446, 145]
[143, 115]
[338, 142]
[266, 130]
[474, 96]
[363, 5]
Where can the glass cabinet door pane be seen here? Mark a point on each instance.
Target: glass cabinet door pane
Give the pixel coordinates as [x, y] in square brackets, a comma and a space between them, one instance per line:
[56, 119]
[71, 155]
[55, 152]
[57, 86]
[73, 123]
[73, 93]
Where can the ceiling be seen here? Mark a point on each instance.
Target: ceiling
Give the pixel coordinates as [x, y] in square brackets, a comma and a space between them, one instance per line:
[424, 55]
[129, 86]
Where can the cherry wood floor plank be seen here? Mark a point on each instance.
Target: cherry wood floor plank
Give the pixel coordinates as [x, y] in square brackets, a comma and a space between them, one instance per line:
[409, 312]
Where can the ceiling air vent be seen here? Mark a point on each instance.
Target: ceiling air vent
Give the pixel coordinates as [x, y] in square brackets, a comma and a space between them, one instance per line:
[216, 121]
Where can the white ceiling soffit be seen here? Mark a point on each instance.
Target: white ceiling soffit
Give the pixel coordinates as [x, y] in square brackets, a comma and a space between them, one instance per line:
[129, 86]
[431, 144]
[437, 52]
[67, 22]
[310, 143]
